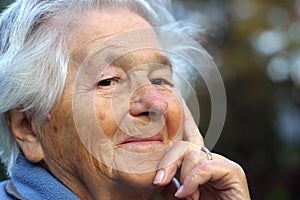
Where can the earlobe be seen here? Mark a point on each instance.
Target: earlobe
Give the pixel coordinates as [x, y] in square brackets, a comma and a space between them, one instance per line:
[25, 137]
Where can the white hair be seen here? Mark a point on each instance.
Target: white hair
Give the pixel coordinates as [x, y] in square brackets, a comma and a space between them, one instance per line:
[34, 59]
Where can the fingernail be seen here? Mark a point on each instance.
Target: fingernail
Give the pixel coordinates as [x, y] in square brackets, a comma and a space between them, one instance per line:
[159, 177]
[179, 191]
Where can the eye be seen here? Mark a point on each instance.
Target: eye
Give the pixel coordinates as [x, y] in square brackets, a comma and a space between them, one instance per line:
[160, 81]
[108, 82]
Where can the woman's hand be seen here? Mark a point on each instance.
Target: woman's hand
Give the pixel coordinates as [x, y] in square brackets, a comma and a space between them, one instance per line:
[218, 178]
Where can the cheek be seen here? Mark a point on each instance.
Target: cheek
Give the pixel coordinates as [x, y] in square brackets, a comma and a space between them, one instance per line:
[174, 117]
[105, 118]
[60, 139]
[109, 112]
[61, 136]
[111, 107]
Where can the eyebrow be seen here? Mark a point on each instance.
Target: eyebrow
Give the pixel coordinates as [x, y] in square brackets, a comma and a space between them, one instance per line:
[125, 60]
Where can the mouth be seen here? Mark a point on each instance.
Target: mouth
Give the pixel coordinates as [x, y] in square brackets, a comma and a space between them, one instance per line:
[141, 144]
[135, 140]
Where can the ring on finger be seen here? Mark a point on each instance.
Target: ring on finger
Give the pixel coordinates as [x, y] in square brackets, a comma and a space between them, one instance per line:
[208, 153]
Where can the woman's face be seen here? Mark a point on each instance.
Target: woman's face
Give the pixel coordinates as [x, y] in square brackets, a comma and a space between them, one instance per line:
[119, 112]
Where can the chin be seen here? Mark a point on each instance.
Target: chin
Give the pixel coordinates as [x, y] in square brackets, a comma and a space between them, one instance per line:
[138, 180]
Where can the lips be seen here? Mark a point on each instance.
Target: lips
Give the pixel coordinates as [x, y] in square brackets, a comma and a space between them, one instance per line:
[141, 141]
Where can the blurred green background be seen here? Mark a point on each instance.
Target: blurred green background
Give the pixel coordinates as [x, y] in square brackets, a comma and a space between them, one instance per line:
[256, 45]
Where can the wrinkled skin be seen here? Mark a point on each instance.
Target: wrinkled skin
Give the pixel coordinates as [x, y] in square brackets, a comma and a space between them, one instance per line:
[131, 98]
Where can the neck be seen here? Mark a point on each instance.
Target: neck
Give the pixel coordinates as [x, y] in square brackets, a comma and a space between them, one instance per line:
[103, 183]
[115, 190]
[127, 192]
[107, 189]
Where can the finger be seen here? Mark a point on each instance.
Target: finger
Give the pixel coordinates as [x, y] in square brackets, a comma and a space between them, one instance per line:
[196, 195]
[223, 175]
[171, 162]
[192, 158]
[201, 174]
[191, 132]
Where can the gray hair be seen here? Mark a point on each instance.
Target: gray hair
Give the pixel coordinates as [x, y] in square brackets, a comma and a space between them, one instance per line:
[34, 59]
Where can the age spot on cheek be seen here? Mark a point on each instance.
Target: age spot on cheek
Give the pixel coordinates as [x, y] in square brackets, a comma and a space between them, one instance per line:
[55, 129]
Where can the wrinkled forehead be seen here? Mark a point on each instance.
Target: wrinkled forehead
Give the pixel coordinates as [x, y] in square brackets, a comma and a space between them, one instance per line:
[112, 34]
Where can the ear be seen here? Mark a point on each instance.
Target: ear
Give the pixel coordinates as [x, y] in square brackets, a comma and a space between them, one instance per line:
[25, 137]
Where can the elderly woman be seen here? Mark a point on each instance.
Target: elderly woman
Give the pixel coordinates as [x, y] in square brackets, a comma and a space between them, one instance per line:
[89, 109]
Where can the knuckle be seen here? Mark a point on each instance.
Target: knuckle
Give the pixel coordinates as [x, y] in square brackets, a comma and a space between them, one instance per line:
[192, 156]
[204, 165]
[237, 169]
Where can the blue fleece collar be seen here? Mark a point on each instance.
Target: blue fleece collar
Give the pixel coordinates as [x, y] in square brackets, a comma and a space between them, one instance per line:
[35, 183]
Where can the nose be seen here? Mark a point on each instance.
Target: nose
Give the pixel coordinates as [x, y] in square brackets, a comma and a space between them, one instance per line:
[148, 101]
